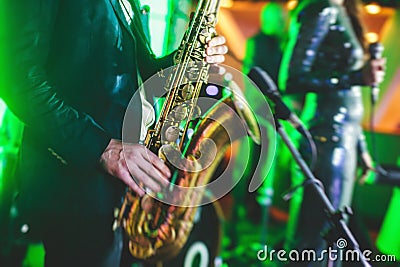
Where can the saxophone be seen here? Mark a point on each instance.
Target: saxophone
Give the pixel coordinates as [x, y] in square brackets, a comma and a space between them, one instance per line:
[157, 230]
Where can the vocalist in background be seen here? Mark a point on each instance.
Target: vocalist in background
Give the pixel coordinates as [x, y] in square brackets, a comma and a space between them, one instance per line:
[326, 55]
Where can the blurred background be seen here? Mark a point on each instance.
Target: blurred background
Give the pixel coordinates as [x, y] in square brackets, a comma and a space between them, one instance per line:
[244, 222]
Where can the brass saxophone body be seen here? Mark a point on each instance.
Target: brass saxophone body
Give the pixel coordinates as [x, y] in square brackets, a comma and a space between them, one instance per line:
[156, 230]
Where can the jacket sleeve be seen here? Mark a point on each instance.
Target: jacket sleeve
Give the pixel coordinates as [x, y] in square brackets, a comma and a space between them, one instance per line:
[149, 64]
[24, 85]
[312, 27]
[147, 61]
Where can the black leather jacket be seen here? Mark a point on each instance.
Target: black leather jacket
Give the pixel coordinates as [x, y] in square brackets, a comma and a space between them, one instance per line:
[327, 59]
[68, 70]
[327, 55]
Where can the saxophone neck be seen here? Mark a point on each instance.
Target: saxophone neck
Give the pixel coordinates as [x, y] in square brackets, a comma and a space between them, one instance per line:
[200, 31]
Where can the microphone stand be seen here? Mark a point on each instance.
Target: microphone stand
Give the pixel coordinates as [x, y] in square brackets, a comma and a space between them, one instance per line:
[336, 218]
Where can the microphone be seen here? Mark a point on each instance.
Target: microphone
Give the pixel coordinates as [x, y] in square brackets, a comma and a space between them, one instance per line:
[375, 50]
[269, 89]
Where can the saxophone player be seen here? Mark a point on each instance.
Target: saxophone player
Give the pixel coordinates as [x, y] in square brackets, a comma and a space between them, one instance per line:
[72, 67]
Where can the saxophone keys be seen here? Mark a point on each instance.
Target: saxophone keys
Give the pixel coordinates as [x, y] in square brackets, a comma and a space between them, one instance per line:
[204, 36]
[142, 249]
[187, 91]
[193, 75]
[196, 113]
[207, 33]
[211, 18]
[147, 203]
[167, 232]
[152, 233]
[180, 112]
[170, 153]
[171, 133]
[159, 243]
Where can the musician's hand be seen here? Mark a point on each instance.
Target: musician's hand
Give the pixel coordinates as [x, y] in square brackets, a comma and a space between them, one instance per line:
[367, 166]
[216, 49]
[374, 71]
[144, 165]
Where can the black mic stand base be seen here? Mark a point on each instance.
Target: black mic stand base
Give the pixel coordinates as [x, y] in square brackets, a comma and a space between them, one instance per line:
[339, 227]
